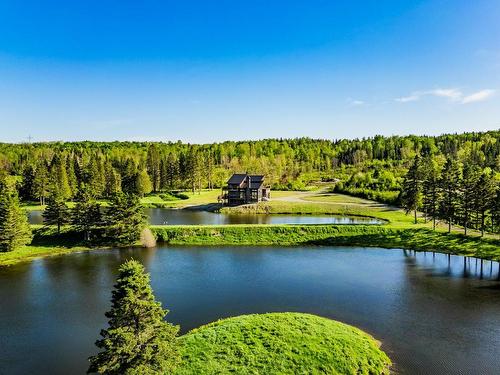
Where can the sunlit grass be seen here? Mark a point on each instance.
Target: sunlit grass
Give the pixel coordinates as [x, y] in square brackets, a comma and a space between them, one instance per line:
[280, 343]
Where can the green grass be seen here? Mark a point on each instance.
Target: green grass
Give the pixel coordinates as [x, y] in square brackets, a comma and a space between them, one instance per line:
[280, 343]
[27, 253]
[399, 232]
[318, 207]
[334, 235]
[197, 199]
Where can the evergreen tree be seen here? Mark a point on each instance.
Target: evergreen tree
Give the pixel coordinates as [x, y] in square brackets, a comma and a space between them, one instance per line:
[142, 183]
[128, 173]
[430, 188]
[113, 181]
[495, 210]
[138, 340]
[468, 194]
[41, 182]
[411, 193]
[193, 170]
[169, 172]
[26, 189]
[209, 169]
[14, 228]
[56, 213]
[59, 178]
[72, 178]
[153, 166]
[449, 187]
[95, 177]
[484, 199]
[173, 171]
[124, 220]
[86, 216]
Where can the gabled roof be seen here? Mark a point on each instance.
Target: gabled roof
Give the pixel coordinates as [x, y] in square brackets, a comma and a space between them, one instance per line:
[238, 178]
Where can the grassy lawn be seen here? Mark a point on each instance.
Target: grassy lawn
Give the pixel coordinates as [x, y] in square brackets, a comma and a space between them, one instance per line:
[336, 207]
[31, 252]
[197, 199]
[280, 343]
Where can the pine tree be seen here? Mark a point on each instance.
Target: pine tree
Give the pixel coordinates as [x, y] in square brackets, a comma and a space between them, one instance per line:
[411, 192]
[449, 187]
[14, 228]
[26, 190]
[124, 220]
[430, 188]
[168, 172]
[56, 213]
[495, 210]
[95, 177]
[113, 181]
[468, 188]
[72, 178]
[138, 340]
[153, 166]
[86, 216]
[484, 199]
[41, 182]
[173, 171]
[209, 168]
[59, 178]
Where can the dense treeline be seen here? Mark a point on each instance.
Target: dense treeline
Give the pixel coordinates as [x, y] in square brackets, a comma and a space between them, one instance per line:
[458, 192]
[364, 165]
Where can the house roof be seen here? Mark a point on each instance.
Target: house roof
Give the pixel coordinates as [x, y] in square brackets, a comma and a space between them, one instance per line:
[238, 178]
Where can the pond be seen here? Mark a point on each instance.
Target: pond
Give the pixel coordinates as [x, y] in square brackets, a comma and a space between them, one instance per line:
[433, 315]
[166, 216]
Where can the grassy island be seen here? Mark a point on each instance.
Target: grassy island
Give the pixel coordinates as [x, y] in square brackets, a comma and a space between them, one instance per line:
[280, 343]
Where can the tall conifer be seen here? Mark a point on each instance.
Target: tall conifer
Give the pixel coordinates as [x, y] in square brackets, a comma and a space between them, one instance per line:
[14, 228]
[138, 340]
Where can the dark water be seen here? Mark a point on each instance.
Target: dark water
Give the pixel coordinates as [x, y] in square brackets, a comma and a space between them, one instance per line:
[432, 317]
[161, 216]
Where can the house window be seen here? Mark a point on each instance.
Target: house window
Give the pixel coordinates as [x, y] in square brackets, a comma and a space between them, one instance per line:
[255, 195]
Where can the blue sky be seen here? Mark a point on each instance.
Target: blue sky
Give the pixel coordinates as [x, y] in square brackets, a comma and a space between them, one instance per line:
[203, 71]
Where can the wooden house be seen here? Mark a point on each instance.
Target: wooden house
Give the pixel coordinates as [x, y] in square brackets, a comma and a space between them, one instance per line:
[245, 188]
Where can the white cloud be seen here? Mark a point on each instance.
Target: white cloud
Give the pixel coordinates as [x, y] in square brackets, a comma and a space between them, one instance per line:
[478, 96]
[452, 94]
[355, 102]
[413, 97]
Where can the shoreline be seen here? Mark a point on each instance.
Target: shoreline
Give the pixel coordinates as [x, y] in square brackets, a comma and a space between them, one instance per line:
[372, 235]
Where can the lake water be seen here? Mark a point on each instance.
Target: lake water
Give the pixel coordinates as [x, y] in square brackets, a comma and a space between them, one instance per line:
[165, 216]
[432, 316]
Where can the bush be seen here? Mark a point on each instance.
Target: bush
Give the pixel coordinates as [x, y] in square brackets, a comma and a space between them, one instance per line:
[384, 196]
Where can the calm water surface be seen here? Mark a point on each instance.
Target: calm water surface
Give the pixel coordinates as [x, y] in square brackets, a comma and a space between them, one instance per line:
[165, 216]
[432, 316]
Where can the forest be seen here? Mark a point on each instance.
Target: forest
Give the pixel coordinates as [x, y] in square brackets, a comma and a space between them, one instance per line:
[452, 177]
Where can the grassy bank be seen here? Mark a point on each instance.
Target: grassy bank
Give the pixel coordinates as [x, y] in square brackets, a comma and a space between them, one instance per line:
[398, 232]
[346, 235]
[28, 253]
[280, 343]
[47, 242]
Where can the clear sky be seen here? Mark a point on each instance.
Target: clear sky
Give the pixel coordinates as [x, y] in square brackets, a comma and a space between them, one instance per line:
[203, 71]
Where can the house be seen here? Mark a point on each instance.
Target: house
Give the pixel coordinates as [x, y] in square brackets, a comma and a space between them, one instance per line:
[245, 188]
